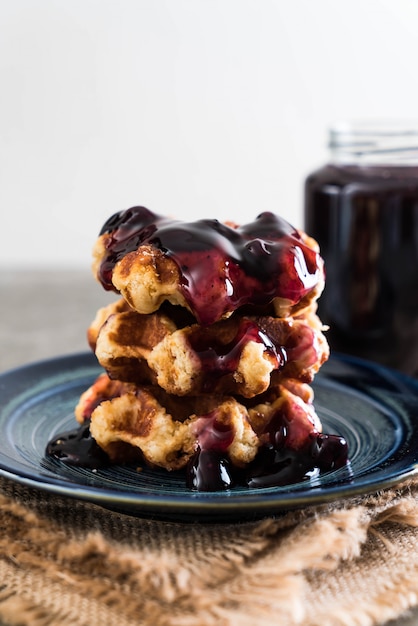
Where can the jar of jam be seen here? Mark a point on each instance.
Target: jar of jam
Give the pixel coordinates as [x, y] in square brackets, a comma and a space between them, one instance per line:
[362, 208]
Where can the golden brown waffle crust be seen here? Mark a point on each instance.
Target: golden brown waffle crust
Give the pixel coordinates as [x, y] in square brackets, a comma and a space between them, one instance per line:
[150, 349]
[144, 424]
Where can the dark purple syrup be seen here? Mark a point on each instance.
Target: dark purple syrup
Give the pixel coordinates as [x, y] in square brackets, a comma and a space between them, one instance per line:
[219, 359]
[209, 469]
[283, 466]
[212, 434]
[221, 268]
[288, 456]
[365, 220]
[77, 447]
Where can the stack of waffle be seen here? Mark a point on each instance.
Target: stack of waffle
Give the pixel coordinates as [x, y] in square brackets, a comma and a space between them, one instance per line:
[210, 351]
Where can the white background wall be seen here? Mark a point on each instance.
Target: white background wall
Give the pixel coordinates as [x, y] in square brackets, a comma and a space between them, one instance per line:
[195, 108]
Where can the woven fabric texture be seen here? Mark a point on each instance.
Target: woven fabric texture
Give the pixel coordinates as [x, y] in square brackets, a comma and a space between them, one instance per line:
[63, 561]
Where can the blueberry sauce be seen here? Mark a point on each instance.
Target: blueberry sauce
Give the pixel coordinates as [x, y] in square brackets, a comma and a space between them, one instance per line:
[210, 469]
[289, 454]
[212, 433]
[218, 358]
[77, 447]
[221, 268]
[275, 466]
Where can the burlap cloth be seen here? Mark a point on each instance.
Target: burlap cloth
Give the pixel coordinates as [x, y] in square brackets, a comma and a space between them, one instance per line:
[66, 562]
[63, 561]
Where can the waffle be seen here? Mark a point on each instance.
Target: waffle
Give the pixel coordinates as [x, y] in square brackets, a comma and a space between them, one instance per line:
[210, 268]
[142, 423]
[233, 356]
[210, 352]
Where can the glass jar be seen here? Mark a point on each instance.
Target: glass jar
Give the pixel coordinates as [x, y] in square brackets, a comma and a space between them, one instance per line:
[362, 208]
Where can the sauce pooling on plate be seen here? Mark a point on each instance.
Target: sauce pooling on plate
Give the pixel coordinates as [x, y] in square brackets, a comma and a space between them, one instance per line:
[221, 267]
[77, 447]
[210, 469]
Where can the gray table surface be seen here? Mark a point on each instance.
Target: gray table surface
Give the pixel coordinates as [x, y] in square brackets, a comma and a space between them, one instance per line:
[44, 314]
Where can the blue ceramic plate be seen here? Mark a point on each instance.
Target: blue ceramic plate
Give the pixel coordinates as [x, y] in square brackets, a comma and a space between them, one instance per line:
[375, 409]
